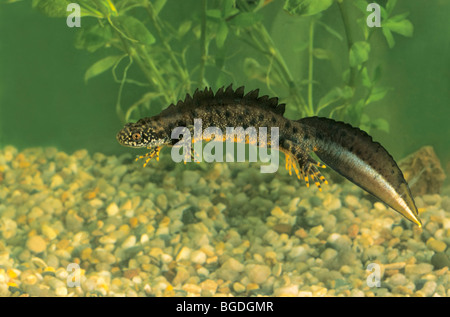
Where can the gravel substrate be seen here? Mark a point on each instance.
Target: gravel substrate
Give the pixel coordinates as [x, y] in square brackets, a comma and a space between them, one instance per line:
[219, 229]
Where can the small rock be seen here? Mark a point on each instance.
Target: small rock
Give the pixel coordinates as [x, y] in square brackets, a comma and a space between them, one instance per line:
[181, 276]
[238, 287]
[49, 232]
[418, 269]
[352, 201]
[397, 279]
[209, 286]
[329, 255]
[198, 257]
[440, 260]
[192, 288]
[61, 291]
[379, 206]
[282, 228]
[184, 254]
[112, 209]
[331, 203]
[230, 269]
[190, 178]
[258, 273]
[436, 245]
[429, 288]
[277, 212]
[161, 201]
[315, 231]
[129, 242]
[36, 244]
[57, 181]
[397, 231]
[291, 290]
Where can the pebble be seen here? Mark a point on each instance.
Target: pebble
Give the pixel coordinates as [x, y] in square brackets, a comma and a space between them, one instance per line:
[181, 276]
[329, 255]
[198, 257]
[36, 244]
[315, 231]
[436, 245]
[418, 269]
[230, 269]
[429, 288]
[440, 260]
[112, 209]
[238, 287]
[204, 230]
[257, 273]
[291, 290]
[184, 254]
[49, 232]
[352, 201]
[56, 181]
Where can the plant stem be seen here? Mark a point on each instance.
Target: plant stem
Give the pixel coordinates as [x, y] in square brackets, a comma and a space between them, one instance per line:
[310, 110]
[346, 21]
[157, 24]
[202, 44]
[268, 48]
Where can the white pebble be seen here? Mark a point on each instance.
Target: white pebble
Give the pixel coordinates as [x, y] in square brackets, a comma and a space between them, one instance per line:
[198, 257]
[112, 209]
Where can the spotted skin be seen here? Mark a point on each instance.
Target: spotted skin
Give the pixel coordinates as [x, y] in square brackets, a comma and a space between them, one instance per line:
[348, 150]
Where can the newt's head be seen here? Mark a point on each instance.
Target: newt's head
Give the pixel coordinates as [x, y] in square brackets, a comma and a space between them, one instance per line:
[144, 133]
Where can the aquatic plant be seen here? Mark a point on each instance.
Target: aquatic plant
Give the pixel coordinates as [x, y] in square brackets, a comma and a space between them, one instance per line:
[177, 56]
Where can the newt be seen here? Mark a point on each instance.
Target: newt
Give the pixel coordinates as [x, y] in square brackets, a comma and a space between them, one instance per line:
[348, 150]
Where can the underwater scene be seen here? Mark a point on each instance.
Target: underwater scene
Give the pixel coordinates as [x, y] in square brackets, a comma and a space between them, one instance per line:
[224, 148]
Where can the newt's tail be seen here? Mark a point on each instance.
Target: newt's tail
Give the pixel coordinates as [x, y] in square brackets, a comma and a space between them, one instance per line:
[353, 154]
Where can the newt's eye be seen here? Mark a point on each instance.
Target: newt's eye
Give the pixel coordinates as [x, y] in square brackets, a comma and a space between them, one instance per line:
[136, 136]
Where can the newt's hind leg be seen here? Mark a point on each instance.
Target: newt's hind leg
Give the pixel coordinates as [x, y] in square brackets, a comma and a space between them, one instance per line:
[305, 167]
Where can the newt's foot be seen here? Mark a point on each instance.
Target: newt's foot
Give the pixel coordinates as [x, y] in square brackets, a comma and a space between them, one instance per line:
[148, 156]
[309, 170]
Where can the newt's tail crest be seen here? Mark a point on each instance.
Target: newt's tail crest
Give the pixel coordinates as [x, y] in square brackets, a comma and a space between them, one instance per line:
[353, 154]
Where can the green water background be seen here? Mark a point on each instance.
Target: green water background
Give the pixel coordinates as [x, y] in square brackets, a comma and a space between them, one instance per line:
[45, 102]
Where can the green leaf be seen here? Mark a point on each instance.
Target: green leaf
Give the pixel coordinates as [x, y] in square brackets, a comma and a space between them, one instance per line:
[389, 37]
[334, 95]
[136, 30]
[380, 124]
[403, 27]
[52, 8]
[229, 8]
[222, 33]
[101, 66]
[378, 93]
[359, 53]
[306, 7]
[91, 38]
[377, 74]
[320, 53]
[361, 5]
[365, 79]
[246, 19]
[184, 28]
[331, 30]
[214, 13]
[159, 5]
[390, 6]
